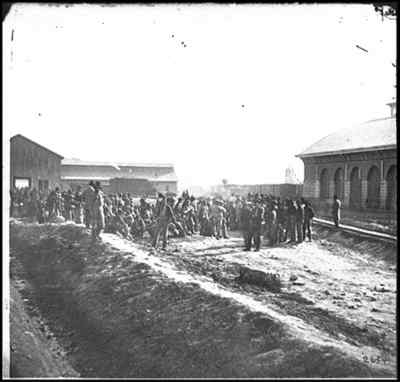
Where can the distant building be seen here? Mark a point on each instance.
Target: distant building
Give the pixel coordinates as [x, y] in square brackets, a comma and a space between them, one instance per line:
[161, 177]
[290, 176]
[133, 186]
[32, 165]
[359, 165]
[283, 190]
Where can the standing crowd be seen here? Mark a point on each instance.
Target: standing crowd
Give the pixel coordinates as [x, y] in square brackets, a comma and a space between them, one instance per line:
[257, 216]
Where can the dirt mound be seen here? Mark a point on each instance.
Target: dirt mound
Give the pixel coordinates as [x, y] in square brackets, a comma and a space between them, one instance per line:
[118, 318]
[269, 281]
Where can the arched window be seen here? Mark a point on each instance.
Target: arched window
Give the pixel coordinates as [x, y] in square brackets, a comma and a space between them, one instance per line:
[391, 179]
[323, 184]
[373, 192]
[339, 183]
[355, 188]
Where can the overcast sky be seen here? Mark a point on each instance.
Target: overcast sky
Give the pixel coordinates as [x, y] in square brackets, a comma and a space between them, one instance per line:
[221, 91]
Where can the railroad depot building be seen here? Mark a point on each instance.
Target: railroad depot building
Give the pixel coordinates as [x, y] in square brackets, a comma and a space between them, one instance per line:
[33, 166]
[358, 164]
[137, 179]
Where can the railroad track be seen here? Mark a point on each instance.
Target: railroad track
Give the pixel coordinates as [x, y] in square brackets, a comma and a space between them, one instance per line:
[358, 231]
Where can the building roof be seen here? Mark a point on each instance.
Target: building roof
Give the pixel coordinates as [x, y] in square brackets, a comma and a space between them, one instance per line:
[170, 177]
[377, 134]
[36, 144]
[86, 178]
[79, 162]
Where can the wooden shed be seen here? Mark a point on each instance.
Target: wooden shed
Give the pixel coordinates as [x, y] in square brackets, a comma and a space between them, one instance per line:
[32, 165]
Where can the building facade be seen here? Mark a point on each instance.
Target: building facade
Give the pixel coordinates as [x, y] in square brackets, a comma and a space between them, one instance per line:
[135, 187]
[75, 172]
[33, 166]
[359, 165]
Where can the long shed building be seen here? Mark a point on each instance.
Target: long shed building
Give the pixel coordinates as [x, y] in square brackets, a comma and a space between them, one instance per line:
[113, 176]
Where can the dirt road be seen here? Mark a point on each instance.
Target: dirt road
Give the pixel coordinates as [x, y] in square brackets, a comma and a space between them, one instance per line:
[336, 293]
[134, 312]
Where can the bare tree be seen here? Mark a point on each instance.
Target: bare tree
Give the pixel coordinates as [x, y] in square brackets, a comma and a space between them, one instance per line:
[386, 9]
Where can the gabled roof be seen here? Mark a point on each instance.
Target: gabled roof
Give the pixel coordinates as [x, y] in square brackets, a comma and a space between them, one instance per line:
[78, 162]
[36, 144]
[377, 134]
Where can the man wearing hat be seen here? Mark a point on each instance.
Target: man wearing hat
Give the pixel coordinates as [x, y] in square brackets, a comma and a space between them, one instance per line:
[78, 210]
[98, 221]
[165, 217]
[308, 217]
[299, 221]
[273, 233]
[245, 222]
[292, 212]
[88, 197]
[336, 206]
[257, 221]
[219, 220]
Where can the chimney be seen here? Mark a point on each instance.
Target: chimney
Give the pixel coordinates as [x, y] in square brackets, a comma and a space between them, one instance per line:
[392, 106]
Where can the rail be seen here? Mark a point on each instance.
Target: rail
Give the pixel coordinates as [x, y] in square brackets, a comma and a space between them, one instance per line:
[358, 231]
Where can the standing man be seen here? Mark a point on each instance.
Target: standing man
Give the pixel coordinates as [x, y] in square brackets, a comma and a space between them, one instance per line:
[214, 213]
[267, 220]
[194, 204]
[78, 211]
[165, 217]
[274, 224]
[188, 216]
[245, 222]
[299, 221]
[204, 218]
[257, 223]
[282, 217]
[55, 202]
[88, 197]
[51, 202]
[308, 217]
[41, 210]
[292, 212]
[220, 220]
[68, 204]
[336, 210]
[97, 212]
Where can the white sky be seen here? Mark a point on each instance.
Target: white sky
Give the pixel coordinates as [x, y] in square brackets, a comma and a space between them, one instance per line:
[111, 83]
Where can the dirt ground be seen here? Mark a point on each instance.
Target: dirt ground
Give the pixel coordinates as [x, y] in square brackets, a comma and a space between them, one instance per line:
[34, 350]
[120, 309]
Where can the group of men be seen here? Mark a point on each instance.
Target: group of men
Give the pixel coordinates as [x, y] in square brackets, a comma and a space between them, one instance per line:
[81, 207]
[257, 216]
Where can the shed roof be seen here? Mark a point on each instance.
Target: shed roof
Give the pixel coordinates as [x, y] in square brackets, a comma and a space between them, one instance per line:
[36, 144]
[170, 177]
[79, 162]
[377, 134]
[85, 178]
